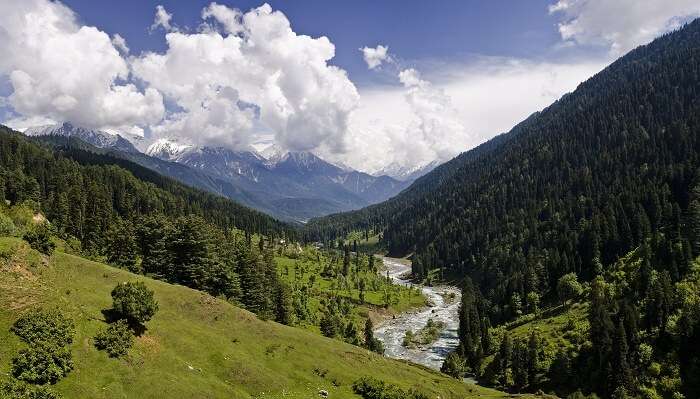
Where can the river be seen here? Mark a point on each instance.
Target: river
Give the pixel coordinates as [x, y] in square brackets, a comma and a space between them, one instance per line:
[391, 332]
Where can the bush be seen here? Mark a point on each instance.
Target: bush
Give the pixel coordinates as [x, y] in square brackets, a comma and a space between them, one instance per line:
[372, 388]
[42, 364]
[116, 339]
[39, 238]
[7, 226]
[134, 302]
[44, 327]
[454, 365]
[568, 287]
[15, 389]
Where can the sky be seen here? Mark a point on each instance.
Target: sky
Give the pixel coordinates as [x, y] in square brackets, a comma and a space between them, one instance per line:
[368, 84]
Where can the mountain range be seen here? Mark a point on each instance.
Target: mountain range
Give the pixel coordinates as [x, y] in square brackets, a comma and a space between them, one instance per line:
[292, 186]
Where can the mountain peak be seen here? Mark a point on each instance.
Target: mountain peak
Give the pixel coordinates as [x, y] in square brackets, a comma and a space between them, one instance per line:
[95, 137]
[406, 173]
[166, 148]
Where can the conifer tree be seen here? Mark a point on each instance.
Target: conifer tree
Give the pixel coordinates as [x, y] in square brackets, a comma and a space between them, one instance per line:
[121, 247]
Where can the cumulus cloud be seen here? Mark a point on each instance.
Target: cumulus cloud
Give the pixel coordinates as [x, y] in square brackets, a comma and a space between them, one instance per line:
[374, 57]
[229, 18]
[59, 70]
[452, 109]
[162, 18]
[435, 130]
[120, 43]
[250, 72]
[620, 25]
[21, 124]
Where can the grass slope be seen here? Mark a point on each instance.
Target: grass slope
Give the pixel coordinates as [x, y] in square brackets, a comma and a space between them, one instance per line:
[195, 347]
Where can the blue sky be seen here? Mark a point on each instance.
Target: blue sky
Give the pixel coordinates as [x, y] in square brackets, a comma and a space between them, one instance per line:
[417, 30]
[434, 78]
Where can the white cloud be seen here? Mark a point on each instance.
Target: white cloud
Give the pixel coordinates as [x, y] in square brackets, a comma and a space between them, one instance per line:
[162, 18]
[229, 18]
[620, 25]
[453, 109]
[374, 57]
[230, 87]
[411, 126]
[120, 43]
[59, 70]
[22, 123]
[411, 78]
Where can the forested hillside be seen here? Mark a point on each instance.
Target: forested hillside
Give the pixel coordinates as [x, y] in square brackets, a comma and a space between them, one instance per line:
[578, 184]
[82, 192]
[608, 169]
[112, 210]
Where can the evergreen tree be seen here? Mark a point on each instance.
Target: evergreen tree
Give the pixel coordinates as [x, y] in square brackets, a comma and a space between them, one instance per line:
[601, 331]
[121, 247]
[346, 261]
[284, 309]
[622, 376]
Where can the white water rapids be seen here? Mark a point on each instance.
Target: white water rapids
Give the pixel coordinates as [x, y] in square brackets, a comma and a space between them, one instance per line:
[392, 331]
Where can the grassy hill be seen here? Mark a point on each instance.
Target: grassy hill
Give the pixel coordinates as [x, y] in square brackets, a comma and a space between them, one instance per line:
[195, 347]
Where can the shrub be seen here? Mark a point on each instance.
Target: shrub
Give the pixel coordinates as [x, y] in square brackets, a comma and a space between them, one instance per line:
[654, 369]
[568, 287]
[134, 302]
[39, 238]
[116, 339]
[372, 388]
[44, 327]
[7, 226]
[42, 364]
[454, 365]
[15, 389]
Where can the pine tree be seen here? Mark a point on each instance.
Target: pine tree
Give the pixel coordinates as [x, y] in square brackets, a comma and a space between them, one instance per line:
[346, 261]
[622, 376]
[601, 330]
[191, 252]
[284, 307]
[505, 353]
[533, 356]
[372, 343]
[121, 247]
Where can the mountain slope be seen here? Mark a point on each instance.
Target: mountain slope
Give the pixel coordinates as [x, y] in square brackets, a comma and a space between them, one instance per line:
[96, 138]
[78, 188]
[195, 347]
[295, 185]
[578, 184]
[290, 186]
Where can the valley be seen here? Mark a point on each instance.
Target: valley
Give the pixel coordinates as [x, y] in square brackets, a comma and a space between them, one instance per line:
[196, 346]
[350, 199]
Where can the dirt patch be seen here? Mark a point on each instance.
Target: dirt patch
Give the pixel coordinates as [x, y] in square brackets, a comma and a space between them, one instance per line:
[19, 286]
[379, 314]
[150, 344]
[38, 218]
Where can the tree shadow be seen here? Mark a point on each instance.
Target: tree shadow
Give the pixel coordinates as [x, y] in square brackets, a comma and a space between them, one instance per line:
[110, 316]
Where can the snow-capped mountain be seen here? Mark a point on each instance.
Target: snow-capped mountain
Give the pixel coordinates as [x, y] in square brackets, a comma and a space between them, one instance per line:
[268, 149]
[289, 185]
[97, 138]
[406, 173]
[166, 149]
[294, 184]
